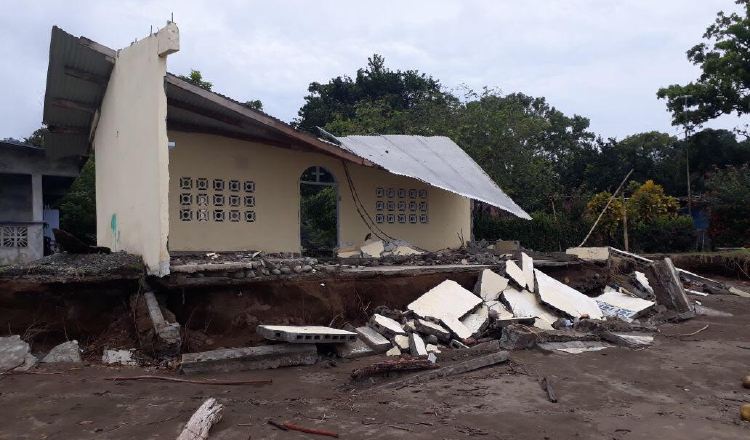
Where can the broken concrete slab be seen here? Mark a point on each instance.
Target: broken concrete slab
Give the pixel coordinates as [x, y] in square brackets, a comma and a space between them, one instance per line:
[642, 282]
[525, 304]
[565, 298]
[446, 300]
[622, 305]
[574, 347]
[67, 352]
[156, 333]
[668, 290]
[373, 339]
[589, 253]
[305, 334]
[386, 326]
[629, 340]
[249, 358]
[498, 311]
[405, 250]
[477, 321]
[416, 345]
[15, 353]
[354, 349]
[490, 285]
[432, 348]
[401, 341]
[456, 327]
[430, 328]
[515, 273]
[527, 266]
[119, 357]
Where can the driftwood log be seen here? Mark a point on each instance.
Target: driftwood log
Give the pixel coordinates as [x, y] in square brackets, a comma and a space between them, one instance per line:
[405, 364]
[206, 416]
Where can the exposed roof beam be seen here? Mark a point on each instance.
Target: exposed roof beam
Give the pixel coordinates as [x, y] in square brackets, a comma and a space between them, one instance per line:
[109, 54]
[73, 105]
[86, 76]
[192, 108]
[268, 121]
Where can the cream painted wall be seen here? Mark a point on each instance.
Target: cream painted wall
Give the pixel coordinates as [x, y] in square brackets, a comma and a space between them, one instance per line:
[276, 174]
[132, 177]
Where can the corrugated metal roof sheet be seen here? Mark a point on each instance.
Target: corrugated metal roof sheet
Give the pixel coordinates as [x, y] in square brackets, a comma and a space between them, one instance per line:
[435, 160]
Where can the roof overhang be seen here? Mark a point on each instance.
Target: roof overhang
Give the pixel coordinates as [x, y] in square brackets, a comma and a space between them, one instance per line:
[77, 77]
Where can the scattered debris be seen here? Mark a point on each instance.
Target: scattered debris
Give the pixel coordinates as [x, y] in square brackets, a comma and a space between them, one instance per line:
[547, 386]
[121, 357]
[619, 304]
[249, 358]
[642, 282]
[667, 286]
[386, 326]
[574, 347]
[67, 352]
[515, 273]
[191, 381]
[524, 304]
[207, 415]
[589, 253]
[158, 330]
[517, 337]
[394, 351]
[416, 345]
[286, 426]
[354, 349]
[73, 245]
[447, 300]
[373, 339]
[305, 334]
[680, 335]
[477, 321]
[460, 368]
[430, 328]
[383, 367]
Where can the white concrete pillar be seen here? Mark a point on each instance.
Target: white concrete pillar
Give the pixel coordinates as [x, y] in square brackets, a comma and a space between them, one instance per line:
[37, 202]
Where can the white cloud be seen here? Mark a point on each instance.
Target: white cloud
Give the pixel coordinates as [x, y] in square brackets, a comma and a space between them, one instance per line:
[603, 59]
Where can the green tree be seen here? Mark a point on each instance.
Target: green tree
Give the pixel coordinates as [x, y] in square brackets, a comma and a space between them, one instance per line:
[723, 86]
[196, 78]
[37, 137]
[729, 201]
[78, 206]
[254, 104]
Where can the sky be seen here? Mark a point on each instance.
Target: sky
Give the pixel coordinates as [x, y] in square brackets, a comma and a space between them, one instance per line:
[602, 59]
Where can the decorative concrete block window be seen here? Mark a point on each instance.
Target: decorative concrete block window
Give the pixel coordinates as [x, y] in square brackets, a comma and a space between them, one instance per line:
[249, 216]
[391, 192]
[402, 218]
[401, 193]
[402, 205]
[423, 218]
[391, 218]
[379, 205]
[249, 186]
[202, 215]
[202, 200]
[391, 205]
[234, 216]
[412, 218]
[218, 215]
[412, 193]
[234, 200]
[379, 191]
[14, 236]
[218, 184]
[186, 183]
[412, 206]
[422, 193]
[201, 184]
[186, 199]
[234, 185]
[218, 199]
[379, 218]
[249, 201]
[186, 215]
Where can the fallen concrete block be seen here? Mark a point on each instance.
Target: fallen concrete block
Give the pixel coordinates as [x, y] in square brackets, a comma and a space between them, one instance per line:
[410, 326]
[15, 354]
[490, 285]
[498, 311]
[119, 357]
[642, 282]
[416, 345]
[372, 248]
[590, 253]
[394, 351]
[574, 347]
[518, 337]
[373, 339]
[565, 298]
[477, 321]
[249, 358]
[525, 304]
[527, 266]
[386, 326]
[456, 327]
[404, 250]
[515, 273]
[613, 303]
[432, 348]
[446, 300]
[432, 357]
[305, 334]
[354, 349]
[627, 339]
[401, 341]
[430, 328]
[668, 290]
[67, 352]
[156, 333]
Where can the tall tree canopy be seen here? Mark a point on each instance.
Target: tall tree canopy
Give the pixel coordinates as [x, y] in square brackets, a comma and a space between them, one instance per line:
[723, 86]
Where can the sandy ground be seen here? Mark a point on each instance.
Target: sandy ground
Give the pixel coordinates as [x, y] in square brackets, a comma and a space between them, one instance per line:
[681, 388]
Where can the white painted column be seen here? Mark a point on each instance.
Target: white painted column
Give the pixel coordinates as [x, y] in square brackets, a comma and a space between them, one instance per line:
[37, 202]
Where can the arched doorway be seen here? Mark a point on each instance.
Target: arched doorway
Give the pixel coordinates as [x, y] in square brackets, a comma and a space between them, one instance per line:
[318, 212]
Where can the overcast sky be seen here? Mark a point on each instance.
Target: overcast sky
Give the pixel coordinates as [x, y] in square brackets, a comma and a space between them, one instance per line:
[603, 59]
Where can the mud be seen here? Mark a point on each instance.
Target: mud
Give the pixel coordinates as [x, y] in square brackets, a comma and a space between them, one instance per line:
[681, 388]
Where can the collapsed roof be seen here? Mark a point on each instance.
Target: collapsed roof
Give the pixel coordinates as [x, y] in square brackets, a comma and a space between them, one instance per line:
[77, 79]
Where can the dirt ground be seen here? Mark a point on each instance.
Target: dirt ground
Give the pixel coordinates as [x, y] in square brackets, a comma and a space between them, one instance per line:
[681, 388]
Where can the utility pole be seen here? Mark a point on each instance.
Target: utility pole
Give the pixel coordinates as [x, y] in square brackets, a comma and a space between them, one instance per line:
[687, 153]
[625, 224]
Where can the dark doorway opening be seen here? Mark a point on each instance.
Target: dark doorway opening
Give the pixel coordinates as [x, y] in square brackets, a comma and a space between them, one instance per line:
[318, 212]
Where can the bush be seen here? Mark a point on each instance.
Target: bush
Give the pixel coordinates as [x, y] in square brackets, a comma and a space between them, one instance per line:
[664, 234]
[542, 233]
[78, 206]
[729, 200]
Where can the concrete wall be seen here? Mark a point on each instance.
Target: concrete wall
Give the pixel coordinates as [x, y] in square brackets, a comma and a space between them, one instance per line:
[276, 173]
[16, 203]
[132, 177]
